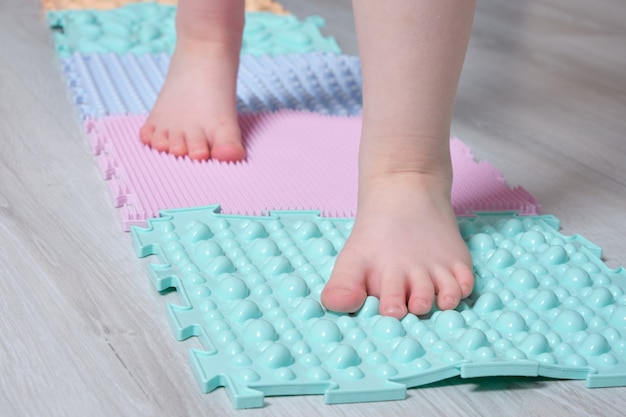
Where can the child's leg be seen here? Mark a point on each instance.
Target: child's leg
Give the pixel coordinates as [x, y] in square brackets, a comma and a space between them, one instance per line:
[196, 113]
[405, 246]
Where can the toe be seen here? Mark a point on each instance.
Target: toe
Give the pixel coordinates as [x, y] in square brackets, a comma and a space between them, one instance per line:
[226, 145]
[464, 276]
[228, 152]
[177, 144]
[393, 294]
[345, 292]
[447, 289]
[160, 140]
[422, 292]
[343, 296]
[145, 133]
[197, 145]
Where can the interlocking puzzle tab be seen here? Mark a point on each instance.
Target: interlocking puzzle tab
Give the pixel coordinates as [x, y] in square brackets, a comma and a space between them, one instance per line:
[543, 305]
[149, 28]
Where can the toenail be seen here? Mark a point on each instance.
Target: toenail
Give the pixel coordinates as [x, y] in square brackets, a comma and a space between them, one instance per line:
[451, 301]
[343, 291]
[421, 304]
[394, 311]
[466, 289]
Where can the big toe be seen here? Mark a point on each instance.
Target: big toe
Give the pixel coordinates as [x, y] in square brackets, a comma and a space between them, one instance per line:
[345, 292]
[343, 297]
[226, 145]
[228, 152]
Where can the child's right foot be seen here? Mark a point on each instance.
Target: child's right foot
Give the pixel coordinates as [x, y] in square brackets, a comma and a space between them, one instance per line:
[195, 113]
[405, 248]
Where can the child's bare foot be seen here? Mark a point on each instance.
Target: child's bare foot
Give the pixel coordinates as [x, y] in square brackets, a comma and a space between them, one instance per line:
[195, 113]
[405, 248]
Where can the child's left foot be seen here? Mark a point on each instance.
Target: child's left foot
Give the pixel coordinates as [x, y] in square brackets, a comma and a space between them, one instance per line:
[405, 248]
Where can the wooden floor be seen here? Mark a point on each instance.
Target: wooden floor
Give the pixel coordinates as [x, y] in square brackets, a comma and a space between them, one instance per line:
[82, 331]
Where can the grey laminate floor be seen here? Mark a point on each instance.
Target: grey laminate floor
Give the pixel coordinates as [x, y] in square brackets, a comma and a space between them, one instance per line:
[82, 332]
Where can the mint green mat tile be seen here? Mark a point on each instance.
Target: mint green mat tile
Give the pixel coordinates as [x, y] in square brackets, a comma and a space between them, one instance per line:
[149, 28]
[544, 304]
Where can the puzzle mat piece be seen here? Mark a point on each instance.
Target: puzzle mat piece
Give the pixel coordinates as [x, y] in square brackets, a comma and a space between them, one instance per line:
[543, 305]
[295, 161]
[251, 5]
[149, 28]
[105, 84]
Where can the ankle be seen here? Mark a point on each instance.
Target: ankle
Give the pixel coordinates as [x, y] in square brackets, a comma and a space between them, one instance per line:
[393, 191]
[419, 159]
[213, 21]
[206, 49]
[414, 178]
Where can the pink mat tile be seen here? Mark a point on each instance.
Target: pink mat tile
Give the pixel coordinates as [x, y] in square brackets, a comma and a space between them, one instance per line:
[296, 161]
